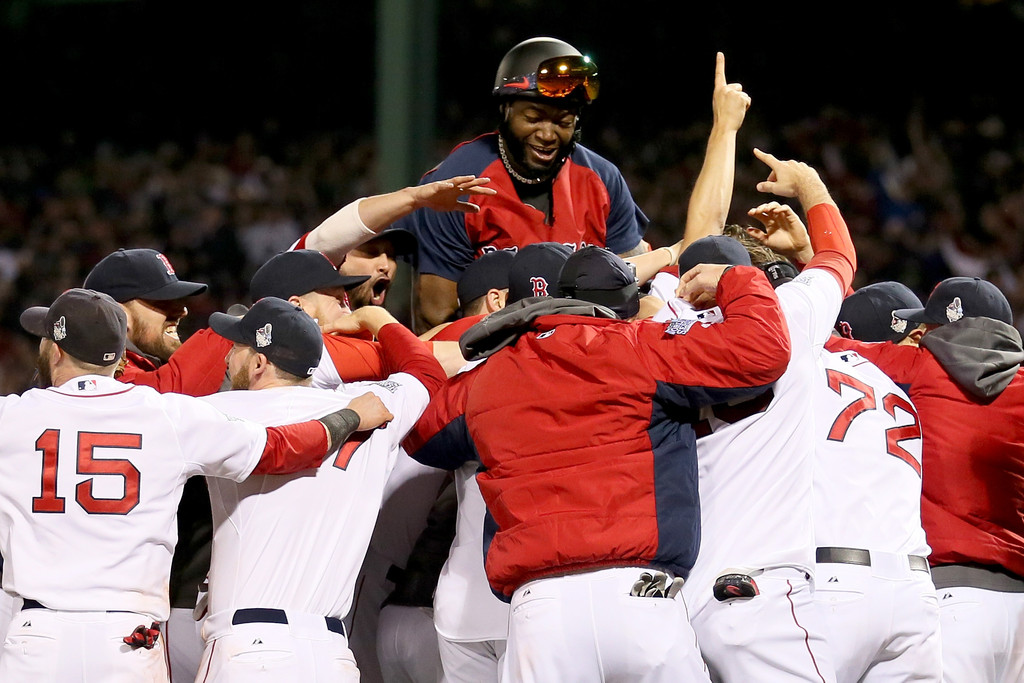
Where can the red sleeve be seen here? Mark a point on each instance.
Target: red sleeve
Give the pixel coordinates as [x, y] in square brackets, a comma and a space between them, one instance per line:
[900, 363]
[292, 448]
[751, 348]
[197, 368]
[830, 240]
[440, 437]
[405, 352]
[355, 359]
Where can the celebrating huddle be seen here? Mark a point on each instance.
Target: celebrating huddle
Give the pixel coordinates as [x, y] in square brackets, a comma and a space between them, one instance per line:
[710, 461]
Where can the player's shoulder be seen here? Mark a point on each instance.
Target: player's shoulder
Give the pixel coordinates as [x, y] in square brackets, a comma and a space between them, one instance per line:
[467, 158]
[588, 158]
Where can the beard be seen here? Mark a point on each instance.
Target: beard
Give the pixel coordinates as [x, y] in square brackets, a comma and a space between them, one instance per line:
[43, 369]
[240, 381]
[517, 153]
[153, 342]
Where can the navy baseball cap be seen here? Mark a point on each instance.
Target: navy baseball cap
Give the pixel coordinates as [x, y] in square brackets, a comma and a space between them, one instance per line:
[718, 249]
[403, 243]
[535, 270]
[960, 297]
[869, 314]
[597, 275]
[139, 274]
[86, 324]
[488, 272]
[281, 331]
[294, 273]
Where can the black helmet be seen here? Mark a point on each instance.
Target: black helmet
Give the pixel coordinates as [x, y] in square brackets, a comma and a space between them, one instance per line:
[547, 68]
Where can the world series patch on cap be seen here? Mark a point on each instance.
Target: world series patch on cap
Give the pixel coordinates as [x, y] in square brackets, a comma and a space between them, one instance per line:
[281, 331]
[870, 313]
[88, 325]
[960, 297]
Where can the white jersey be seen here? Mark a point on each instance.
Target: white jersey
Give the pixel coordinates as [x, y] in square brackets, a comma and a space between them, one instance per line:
[296, 542]
[465, 608]
[755, 466]
[91, 473]
[867, 478]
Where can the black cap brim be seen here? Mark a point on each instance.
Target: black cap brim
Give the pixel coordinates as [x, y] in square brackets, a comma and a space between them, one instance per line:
[228, 326]
[178, 289]
[33, 320]
[916, 315]
[402, 241]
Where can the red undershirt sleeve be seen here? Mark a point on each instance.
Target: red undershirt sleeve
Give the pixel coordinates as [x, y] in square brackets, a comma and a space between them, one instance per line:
[403, 351]
[292, 448]
[832, 245]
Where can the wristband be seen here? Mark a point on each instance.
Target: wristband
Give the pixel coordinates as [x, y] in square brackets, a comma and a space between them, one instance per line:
[340, 425]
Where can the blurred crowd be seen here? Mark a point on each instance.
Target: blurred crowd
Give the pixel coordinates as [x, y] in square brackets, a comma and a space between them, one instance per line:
[925, 200]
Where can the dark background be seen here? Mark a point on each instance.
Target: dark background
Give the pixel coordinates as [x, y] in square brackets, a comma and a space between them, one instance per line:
[138, 72]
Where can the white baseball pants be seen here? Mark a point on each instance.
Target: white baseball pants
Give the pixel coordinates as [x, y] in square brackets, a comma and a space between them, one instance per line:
[777, 636]
[982, 635]
[586, 627]
[49, 646]
[882, 620]
[301, 650]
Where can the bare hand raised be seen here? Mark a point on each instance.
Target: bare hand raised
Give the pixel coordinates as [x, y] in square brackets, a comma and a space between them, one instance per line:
[793, 179]
[443, 195]
[729, 102]
[783, 232]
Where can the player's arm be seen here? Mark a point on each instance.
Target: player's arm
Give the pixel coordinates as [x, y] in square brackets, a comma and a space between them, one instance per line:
[196, 368]
[723, 361]
[304, 445]
[709, 203]
[441, 438]
[708, 208]
[830, 238]
[360, 220]
[401, 350]
[436, 300]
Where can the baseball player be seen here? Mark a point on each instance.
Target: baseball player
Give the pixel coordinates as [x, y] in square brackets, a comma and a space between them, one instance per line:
[471, 622]
[144, 283]
[318, 527]
[872, 578]
[549, 187]
[91, 471]
[968, 387]
[308, 279]
[591, 528]
[755, 462]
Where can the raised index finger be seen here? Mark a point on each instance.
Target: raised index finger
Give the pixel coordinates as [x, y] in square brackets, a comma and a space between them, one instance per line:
[719, 70]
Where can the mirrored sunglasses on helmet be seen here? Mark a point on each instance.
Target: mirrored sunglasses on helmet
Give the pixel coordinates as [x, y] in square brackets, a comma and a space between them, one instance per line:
[558, 77]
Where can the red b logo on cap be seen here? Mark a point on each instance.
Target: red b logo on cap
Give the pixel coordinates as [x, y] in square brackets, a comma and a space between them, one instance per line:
[167, 264]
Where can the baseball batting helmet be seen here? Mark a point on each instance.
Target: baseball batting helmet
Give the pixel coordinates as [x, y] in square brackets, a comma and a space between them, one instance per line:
[547, 69]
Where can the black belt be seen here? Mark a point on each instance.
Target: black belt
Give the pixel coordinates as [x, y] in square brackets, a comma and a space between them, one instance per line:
[862, 557]
[262, 615]
[32, 604]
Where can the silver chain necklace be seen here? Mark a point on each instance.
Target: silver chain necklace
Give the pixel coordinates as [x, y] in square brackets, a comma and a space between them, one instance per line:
[511, 171]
